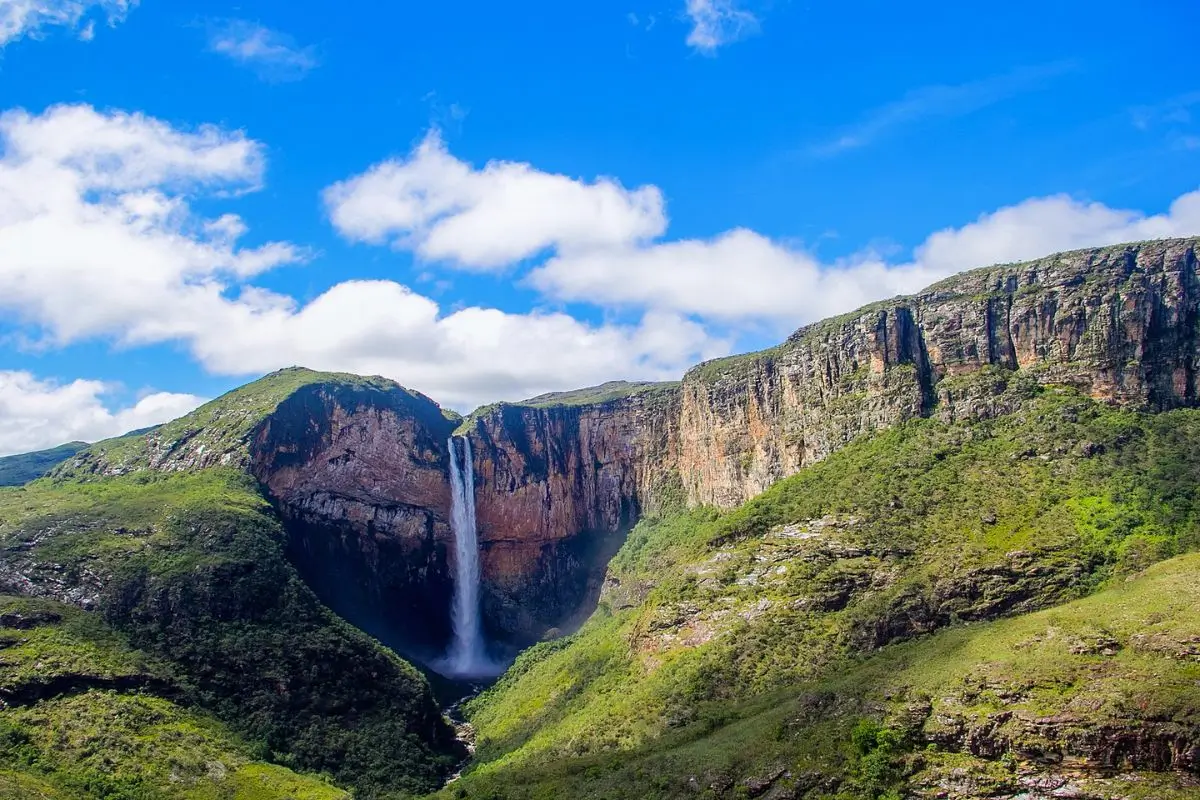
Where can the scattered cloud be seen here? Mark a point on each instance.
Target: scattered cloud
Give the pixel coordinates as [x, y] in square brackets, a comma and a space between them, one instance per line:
[606, 246]
[743, 277]
[1175, 119]
[645, 23]
[98, 239]
[939, 102]
[20, 18]
[37, 414]
[716, 23]
[274, 55]
[444, 209]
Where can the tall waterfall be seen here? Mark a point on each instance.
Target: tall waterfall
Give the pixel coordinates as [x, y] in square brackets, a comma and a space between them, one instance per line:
[467, 656]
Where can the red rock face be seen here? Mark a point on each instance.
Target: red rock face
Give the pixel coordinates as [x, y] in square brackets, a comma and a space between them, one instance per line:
[360, 479]
[556, 490]
[371, 466]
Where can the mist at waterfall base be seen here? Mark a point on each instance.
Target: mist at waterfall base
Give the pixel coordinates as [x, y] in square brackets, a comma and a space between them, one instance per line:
[467, 657]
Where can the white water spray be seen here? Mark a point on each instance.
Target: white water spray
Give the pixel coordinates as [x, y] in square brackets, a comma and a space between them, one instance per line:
[467, 656]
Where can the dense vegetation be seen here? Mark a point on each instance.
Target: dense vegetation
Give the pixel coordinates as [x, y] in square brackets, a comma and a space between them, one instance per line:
[86, 715]
[728, 649]
[190, 569]
[25, 467]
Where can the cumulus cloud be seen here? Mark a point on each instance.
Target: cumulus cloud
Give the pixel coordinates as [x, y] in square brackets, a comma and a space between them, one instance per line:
[737, 276]
[716, 23]
[19, 18]
[444, 209]
[273, 54]
[606, 246]
[36, 414]
[743, 276]
[96, 233]
[462, 359]
[98, 238]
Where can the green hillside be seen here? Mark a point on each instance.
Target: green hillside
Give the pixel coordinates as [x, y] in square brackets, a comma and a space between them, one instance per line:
[221, 427]
[85, 715]
[188, 568]
[731, 649]
[25, 467]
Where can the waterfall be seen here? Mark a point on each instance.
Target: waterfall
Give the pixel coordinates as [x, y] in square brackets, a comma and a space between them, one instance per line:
[467, 656]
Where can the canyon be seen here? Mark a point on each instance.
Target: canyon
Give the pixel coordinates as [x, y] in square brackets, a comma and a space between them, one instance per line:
[657, 559]
[360, 474]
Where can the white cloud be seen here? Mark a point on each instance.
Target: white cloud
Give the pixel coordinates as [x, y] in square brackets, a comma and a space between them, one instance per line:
[446, 210]
[716, 23]
[462, 359]
[739, 278]
[19, 18]
[96, 234]
[1045, 225]
[37, 414]
[275, 55]
[942, 101]
[98, 240]
[743, 276]
[610, 253]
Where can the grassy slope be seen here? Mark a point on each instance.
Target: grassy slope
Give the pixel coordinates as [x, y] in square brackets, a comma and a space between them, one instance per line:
[1124, 657]
[224, 424]
[592, 395]
[25, 467]
[190, 567]
[896, 536]
[79, 721]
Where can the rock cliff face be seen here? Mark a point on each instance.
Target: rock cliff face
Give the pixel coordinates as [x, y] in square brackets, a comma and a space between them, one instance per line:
[557, 488]
[1119, 323]
[359, 470]
[358, 475]
[362, 478]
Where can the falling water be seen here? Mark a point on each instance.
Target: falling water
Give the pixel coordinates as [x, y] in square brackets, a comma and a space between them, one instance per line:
[467, 656]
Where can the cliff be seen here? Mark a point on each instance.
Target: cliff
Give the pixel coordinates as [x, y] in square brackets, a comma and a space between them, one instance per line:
[1118, 323]
[562, 478]
[558, 484]
[358, 468]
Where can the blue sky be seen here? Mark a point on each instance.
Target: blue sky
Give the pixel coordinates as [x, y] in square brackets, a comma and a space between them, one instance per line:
[489, 201]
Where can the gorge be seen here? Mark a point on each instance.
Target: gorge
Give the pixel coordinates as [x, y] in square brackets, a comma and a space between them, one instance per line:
[666, 556]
